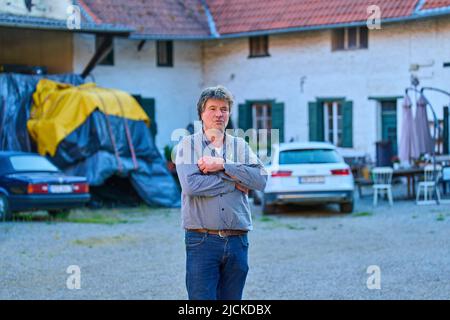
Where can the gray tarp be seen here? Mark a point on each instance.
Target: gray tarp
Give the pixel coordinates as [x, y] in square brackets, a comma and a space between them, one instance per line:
[88, 151]
[16, 91]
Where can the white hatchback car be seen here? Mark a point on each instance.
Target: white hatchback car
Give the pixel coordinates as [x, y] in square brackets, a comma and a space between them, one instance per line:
[308, 173]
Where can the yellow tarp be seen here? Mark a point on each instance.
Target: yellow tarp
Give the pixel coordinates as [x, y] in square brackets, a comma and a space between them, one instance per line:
[58, 109]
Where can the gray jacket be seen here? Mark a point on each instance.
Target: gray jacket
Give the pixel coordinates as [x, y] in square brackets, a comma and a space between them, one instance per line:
[211, 201]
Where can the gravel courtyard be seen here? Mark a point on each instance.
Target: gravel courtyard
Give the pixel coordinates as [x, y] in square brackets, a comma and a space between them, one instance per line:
[303, 253]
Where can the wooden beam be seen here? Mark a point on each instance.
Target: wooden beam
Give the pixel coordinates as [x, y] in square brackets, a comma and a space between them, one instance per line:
[141, 45]
[105, 47]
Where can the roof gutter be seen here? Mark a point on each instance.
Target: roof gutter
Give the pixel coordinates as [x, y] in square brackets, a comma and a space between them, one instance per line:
[418, 15]
[141, 36]
[83, 29]
[27, 22]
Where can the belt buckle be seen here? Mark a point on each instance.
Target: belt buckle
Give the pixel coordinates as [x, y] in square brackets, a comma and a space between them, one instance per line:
[221, 234]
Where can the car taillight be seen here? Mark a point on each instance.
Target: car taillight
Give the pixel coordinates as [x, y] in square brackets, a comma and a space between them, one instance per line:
[80, 188]
[280, 174]
[38, 188]
[340, 172]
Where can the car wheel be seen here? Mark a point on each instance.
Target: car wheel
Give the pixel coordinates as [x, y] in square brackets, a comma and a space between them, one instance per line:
[5, 213]
[256, 198]
[346, 207]
[267, 208]
[59, 214]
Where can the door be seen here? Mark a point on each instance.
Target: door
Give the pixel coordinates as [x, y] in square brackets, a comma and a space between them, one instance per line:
[389, 123]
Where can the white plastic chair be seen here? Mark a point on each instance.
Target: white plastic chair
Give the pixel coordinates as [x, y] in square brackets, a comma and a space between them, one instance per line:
[382, 179]
[428, 185]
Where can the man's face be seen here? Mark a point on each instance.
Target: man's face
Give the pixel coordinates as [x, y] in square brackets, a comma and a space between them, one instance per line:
[216, 114]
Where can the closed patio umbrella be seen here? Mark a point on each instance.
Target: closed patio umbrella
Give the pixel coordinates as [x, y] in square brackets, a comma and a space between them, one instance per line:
[408, 148]
[425, 142]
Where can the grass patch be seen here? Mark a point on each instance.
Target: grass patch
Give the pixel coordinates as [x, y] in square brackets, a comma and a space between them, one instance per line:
[266, 219]
[363, 214]
[96, 241]
[440, 217]
[108, 217]
[88, 216]
[105, 216]
[96, 220]
[273, 223]
[30, 216]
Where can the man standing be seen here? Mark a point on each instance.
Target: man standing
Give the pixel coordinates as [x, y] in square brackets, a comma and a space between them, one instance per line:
[216, 172]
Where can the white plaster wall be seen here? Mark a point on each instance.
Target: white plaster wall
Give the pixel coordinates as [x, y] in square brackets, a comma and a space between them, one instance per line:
[175, 89]
[381, 70]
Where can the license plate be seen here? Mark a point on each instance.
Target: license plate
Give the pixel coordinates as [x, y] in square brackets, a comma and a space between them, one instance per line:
[311, 179]
[61, 189]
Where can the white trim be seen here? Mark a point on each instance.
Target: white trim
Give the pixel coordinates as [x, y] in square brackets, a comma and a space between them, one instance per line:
[335, 123]
[326, 121]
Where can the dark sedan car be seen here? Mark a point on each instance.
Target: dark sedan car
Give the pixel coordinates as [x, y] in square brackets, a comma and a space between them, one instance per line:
[29, 181]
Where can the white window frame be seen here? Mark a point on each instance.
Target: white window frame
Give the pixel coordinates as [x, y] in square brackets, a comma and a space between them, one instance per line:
[265, 117]
[358, 38]
[334, 105]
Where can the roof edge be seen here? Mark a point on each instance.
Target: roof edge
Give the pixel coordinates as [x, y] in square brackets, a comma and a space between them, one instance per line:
[419, 6]
[27, 22]
[210, 18]
[143, 36]
[88, 12]
[425, 14]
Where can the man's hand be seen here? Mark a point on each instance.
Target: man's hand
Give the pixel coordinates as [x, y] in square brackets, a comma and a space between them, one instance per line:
[242, 188]
[214, 164]
[210, 164]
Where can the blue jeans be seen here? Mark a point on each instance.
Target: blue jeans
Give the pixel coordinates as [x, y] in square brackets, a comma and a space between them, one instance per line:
[216, 267]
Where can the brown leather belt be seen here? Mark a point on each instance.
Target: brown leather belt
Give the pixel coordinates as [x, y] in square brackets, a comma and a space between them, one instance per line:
[221, 233]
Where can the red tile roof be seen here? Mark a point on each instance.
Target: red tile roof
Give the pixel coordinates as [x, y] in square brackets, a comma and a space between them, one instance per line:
[189, 18]
[184, 18]
[236, 16]
[435, 4]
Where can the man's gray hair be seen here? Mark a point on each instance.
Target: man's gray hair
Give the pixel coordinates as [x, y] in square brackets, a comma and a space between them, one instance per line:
[219, 93]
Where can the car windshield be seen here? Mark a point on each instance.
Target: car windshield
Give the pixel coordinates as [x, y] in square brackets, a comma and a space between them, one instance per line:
[306, 156]
[32, 163]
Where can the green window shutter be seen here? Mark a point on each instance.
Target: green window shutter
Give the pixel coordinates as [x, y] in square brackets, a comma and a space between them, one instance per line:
[347, 130]
[278, 119]
[148, 104]
[316, 121]
[245, 116]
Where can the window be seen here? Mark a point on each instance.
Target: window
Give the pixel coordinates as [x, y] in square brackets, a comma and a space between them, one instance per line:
[107, 60]
[164, 53]
[333, 123]
[259, 46]
[331, 120]
[304, 156]
[262, 114]
[350, 38]
[389, 123]
[32, 163]
[262, 118]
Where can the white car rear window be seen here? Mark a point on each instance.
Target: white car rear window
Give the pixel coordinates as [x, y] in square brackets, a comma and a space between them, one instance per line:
[31, 163]
[307, 156]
